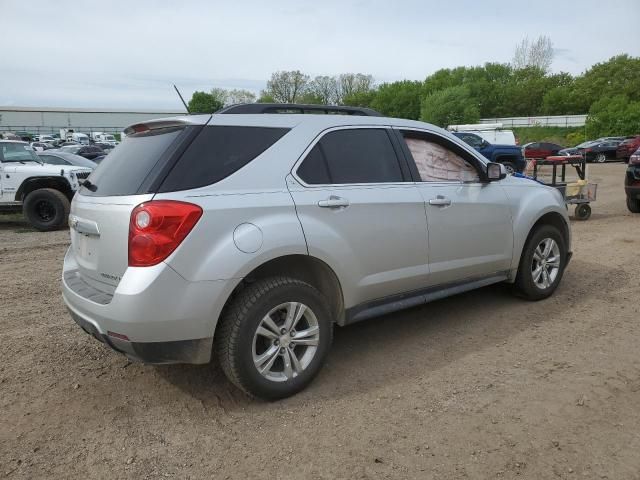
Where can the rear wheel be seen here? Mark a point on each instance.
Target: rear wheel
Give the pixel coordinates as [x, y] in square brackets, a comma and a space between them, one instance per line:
[542, 263]
[274, 336]
[633, 204]
[46, 209]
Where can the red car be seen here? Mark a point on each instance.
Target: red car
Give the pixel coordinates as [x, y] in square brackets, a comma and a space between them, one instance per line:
[627, 147]
[540, 149]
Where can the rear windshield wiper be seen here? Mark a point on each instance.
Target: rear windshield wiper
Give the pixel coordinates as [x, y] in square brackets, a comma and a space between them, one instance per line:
[89, 186]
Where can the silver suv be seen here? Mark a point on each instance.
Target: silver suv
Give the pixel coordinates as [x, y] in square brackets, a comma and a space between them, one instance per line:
[247, 236]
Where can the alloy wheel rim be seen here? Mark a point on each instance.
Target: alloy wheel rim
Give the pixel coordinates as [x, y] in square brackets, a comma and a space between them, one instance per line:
[546, 263]
[286, 341]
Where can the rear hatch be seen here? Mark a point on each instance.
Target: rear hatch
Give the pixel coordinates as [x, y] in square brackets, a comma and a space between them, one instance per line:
[128, 176]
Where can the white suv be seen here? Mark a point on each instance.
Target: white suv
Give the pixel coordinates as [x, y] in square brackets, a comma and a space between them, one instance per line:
[250, 233]
[43, 192]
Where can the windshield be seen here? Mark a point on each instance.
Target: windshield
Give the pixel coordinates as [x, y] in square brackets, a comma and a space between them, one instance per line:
[17, 152]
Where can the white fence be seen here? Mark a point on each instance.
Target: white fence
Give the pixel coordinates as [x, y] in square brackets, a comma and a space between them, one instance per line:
[548, 121]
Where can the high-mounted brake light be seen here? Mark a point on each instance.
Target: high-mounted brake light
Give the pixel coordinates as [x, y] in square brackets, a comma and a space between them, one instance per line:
[157, 228]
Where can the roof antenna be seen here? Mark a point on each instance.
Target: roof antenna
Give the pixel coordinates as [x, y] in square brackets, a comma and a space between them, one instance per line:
[182, 99]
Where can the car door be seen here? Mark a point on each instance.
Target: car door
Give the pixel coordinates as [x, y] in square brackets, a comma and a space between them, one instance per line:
[469, 221]
[361, 213]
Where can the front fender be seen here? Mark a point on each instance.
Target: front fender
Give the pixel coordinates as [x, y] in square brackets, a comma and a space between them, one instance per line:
[529, 203]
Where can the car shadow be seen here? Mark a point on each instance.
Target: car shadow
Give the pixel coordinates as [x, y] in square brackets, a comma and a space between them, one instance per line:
[413, 342]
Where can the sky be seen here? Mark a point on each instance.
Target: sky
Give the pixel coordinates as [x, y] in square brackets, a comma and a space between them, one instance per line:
[127, 54]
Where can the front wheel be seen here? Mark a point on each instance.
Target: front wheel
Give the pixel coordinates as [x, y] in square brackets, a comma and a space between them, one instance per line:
[601, 158]
[46, 209]
[633, 204]
[542, 263]
[509, 167]
[274, 336]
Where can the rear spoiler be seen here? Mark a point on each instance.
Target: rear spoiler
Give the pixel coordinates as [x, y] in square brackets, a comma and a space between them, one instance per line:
[163, 123]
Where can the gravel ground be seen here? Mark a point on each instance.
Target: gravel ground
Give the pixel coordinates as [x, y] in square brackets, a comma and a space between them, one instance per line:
[482, 385]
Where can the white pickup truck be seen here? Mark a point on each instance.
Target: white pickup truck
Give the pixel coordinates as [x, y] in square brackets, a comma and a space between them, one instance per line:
[41, 191]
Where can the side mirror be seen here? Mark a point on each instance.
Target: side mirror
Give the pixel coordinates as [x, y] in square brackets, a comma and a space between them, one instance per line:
[495, 171]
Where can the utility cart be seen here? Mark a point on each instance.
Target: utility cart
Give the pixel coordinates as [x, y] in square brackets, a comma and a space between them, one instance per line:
[578, 191]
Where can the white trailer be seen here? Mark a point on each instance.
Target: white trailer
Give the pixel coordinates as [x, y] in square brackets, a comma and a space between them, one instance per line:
[491, 132]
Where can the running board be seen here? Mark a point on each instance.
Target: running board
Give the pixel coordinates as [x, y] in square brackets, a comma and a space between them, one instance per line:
[419, 297]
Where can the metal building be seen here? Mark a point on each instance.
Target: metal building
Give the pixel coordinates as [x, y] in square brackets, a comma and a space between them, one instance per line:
[50, 120]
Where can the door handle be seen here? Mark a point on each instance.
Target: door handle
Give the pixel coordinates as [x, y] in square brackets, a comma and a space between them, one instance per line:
[440, 201]
[334, 202]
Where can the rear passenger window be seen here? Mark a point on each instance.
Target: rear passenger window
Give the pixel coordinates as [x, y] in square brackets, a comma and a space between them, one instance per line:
[217, 152]
[363, 155]
[314, 169]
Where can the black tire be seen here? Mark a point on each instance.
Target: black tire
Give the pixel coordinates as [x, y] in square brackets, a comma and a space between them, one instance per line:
[633, 204]
[525, 285]
[582, 211]
[47, 209]
[235, 335]
[601, 158]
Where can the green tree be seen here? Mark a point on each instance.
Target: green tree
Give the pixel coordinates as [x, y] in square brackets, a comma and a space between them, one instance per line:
[203, 102]
[359, 99]
[398, 99]
[265, 97]
[450, 106]
[350, 86]
[287, 86]
[620, 75]
[617, 115]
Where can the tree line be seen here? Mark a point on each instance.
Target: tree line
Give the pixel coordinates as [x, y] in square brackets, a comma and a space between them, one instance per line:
[608, 91]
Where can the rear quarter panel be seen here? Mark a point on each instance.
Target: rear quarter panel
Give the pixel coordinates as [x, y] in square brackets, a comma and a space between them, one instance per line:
[266, 220]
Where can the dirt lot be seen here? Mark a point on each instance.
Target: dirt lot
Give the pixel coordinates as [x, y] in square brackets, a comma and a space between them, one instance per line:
[482, 385]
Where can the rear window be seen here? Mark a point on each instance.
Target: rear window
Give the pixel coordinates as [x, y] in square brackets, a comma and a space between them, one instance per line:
[179, 158]
[124, 171]
[216, 153]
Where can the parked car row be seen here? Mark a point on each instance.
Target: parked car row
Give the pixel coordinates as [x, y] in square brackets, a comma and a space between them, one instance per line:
[600, 150]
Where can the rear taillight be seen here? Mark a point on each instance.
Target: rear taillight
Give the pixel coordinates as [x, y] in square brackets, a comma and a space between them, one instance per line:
[157, 228]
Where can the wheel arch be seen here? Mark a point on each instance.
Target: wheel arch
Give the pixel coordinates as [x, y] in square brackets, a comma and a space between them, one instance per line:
[307, 268]
[553, 218]
[35, 183]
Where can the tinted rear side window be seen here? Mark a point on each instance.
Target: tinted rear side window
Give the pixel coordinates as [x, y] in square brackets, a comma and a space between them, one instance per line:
[313, 169]
[217, 152]
[352, 156]
[125, 169]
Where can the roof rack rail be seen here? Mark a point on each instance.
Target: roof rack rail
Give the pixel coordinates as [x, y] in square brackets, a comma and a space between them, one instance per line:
[248, 108]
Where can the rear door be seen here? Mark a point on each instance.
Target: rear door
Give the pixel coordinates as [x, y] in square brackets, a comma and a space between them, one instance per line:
[469, 221]
[361, 213]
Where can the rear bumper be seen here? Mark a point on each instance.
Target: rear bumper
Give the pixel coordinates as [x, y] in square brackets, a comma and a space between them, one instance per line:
[180, 351]
[157, 316]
